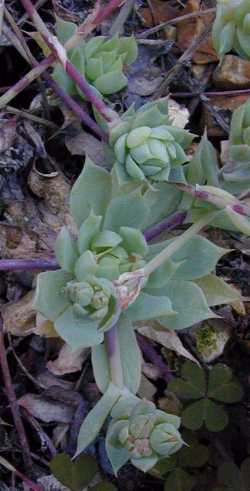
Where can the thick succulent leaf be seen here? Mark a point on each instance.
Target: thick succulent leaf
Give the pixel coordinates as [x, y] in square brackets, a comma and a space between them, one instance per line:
[144, 463]
[240, 222]
[204, 167]
[75, 475]
[179, 480]
[197, 258]
[221, 386]
[126, 210]
[118, 455]
[85, 266]
[133, 241]
[64, 80]
[64, 29]
[66, 250]
[188, 301]
[130, 360]
[78, 332]
[162, 201]
[148, 307]
[88, 230]
[162, 275]
[191, 385]
[217, 291]
[128, 46]
[49, 299]
[96, 418]
[111, 82]
[105, 240]
[205, 412]
[91, 191]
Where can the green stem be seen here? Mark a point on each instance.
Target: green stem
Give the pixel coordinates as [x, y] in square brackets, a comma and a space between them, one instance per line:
[178, 243]
[114, 356]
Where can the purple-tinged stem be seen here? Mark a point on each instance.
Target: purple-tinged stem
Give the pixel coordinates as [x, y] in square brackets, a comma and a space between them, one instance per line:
[13, 401]
[59, 51]
[28, 264]
[165, 225]
[114, 356]
[152, 355]
[215, 198]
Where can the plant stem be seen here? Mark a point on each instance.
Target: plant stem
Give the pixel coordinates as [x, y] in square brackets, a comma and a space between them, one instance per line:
[28, 264]
[152, 355]
[19, 42]
[13, 401]
[177, 243]
[59, 52]
[220, 201]
[114, 356]
[167, 224]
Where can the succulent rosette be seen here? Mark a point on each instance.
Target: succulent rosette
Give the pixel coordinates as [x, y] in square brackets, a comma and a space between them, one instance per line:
[231, 29]
[100, 60]
[236, 173]
[147, 146]
[142, 434]
[80, 297]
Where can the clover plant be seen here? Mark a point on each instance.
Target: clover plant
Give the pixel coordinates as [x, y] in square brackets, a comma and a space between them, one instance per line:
[100, 60]
[231, 29]
[231, 478]
[220, 387]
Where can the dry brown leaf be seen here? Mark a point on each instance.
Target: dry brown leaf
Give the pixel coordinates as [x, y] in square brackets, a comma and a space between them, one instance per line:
[19, 317]
[165, 337]
[188, 29]
[146, 390]
[47, 410]
[44, 327]
[159, 12]
[68, 361]
[85, 144]
[178, 114]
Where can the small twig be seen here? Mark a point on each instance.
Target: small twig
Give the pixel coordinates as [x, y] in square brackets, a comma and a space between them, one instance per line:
[13, 401]
[22, 113]
[32, 485]
[165, 225]
[152, 355]
[226, 93]
[176, 20]
[184, 58]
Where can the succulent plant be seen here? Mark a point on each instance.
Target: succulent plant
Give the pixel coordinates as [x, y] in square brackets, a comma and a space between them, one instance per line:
[236, 172]
[141, 433]
[81, 296]
[147, 147]
[100, 60]
[231, 28]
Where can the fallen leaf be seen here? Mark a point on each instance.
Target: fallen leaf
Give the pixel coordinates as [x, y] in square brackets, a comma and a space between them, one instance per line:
[85, 144]
[178, 114]
[44, 327]
[47, 410]
[158, 12]
[190, 28]
[19, 317]
[165, 337]
[68, 361]
[232, 73]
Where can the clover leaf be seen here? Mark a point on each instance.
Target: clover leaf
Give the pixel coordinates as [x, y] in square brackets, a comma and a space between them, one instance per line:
[220, 387]
[232, 478]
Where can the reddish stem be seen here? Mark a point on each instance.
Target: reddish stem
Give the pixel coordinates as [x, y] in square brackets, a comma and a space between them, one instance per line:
[28, 264]
[13, 401]
[167, 224]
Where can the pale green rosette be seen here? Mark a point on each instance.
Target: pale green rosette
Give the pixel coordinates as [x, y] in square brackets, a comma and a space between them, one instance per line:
[231, 29]
[142, 434]
[80, 298]
[147, 147]
[100, 60]
[236, 173]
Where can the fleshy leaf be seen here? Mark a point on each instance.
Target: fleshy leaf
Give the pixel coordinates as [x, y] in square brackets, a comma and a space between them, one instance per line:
[126, 210]
[130, 360]
[49, 299]
[188, 301]
[78, 332]
[148, 307]
[217, 291]
[66, 250]
[96, 418]
[91, 191]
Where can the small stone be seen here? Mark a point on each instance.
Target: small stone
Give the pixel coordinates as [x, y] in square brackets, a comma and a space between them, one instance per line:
[232, 73]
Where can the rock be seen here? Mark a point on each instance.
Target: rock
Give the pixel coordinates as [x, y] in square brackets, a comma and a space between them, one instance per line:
[223, 107]
[232, 73]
